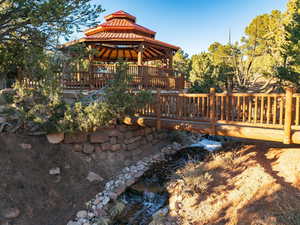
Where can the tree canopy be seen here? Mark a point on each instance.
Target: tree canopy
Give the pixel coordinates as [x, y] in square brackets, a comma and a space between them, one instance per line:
[267, 57]
[29, 29]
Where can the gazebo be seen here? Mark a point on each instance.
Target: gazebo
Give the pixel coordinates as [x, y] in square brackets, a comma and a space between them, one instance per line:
[120, 38]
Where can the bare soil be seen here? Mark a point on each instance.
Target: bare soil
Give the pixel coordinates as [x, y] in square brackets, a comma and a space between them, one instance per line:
[254, 184]
[44, 199]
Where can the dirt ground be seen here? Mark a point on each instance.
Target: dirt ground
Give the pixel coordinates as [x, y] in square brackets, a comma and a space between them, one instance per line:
[44, 199]
[254, 184]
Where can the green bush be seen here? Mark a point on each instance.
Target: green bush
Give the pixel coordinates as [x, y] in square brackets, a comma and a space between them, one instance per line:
[44, 109]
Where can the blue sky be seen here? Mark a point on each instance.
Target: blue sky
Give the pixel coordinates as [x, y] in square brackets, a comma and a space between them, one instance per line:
[193, 24]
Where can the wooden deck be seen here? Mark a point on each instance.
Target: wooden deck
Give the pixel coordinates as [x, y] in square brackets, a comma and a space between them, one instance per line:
[143, 77]
[270, 117]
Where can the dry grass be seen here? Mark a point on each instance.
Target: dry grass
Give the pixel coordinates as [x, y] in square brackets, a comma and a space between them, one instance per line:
[255, 185]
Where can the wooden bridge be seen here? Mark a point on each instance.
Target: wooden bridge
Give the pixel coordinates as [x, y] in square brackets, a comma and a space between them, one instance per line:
[270, 117]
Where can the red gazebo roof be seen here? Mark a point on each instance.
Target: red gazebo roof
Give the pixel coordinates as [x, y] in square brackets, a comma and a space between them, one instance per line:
[120, 21]
[120, 29]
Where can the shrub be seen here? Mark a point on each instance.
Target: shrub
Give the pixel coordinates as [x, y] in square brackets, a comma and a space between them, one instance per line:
[44, 109]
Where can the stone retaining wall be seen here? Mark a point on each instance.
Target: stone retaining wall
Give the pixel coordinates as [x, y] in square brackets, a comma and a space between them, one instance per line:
[119, 138]
[115, 147]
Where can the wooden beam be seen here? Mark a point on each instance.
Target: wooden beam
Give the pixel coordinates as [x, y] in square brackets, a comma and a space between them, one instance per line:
[254, 133]
[157, 51]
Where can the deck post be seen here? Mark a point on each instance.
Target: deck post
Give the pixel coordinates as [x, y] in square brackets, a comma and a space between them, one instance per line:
[157, 109]
[288, 115]
[212, 111]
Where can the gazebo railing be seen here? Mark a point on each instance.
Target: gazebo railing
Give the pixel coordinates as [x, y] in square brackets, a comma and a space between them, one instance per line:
[143, 77]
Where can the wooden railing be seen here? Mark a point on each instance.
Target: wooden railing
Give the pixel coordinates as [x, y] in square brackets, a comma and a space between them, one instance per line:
[269, 111]
[143, 77]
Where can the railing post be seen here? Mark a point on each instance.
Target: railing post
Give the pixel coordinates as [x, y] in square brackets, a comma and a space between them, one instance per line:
[212, 111]
[157, 108]
[288, 115]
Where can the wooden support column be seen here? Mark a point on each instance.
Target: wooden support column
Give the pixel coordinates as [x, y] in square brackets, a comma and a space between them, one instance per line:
[212, 111]
[288, 115]
[170, 60]
[157, 109]
[140, 55]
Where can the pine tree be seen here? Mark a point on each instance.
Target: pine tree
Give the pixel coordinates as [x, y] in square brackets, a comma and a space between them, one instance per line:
[290, 46]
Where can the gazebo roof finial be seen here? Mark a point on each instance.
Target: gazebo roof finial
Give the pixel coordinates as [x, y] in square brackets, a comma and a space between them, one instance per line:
[121, 15]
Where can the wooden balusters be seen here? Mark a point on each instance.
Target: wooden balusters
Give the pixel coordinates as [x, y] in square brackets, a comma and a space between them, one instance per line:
[288, 115]
[158, 108]
[212, 106]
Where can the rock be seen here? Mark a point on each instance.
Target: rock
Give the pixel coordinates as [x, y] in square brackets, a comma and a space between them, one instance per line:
[91, 177]
[3, 120]
[5, 223]
[116, 147]
[54, 171]
[113, 140]
[149, 137]
[88, 148]
[117, 209]
[114, 133]
[82, 214]
[25, 146]
[133, 146]
[102, 221]
[73, 223]
[132, 140]
[105, 200]
[106, 146]
[11, 213]
[77, 148]
[99, 137]
[72, 138]
[55, 138]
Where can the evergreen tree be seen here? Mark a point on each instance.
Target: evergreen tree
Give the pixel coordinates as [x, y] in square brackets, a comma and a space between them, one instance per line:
[289, 71]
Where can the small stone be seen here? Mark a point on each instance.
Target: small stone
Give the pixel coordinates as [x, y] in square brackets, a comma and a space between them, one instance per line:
[77, 148]
[26, 146]
[105, 200]
[73, 223]
[102, 221]
[94, 177]
[54, 171]
[88, 148]
[91, 215]
[113, 140]
[116, 147]
[55, 138]
[11, 213]
[113, 196]
[3, 120]
[82, 214]
[98, 148]
[149, 137]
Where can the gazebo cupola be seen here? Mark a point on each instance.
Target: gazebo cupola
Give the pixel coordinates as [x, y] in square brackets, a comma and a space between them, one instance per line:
[121, 38]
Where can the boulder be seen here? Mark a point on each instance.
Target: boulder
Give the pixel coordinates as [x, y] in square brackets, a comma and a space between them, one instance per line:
[72, 138]
[88, 148]
[55, 138]
[11, 213]
[99, 137]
